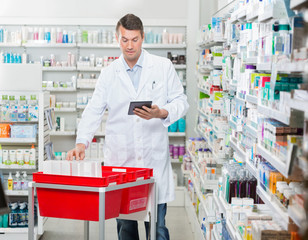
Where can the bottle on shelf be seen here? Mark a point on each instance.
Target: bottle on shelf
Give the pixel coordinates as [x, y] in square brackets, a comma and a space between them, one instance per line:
[17, 182]
[242, 184]
[24, 181]
[32, 155]
[10, 182]
[232, 185]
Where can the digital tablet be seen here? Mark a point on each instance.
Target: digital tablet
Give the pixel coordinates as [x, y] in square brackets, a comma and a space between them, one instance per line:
[138, 104]
[4, 209]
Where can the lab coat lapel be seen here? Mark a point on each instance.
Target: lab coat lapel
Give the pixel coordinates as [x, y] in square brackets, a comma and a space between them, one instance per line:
[146, 71]
[125, 81]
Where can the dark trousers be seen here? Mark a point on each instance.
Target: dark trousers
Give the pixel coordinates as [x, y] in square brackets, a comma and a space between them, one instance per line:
[128, 229]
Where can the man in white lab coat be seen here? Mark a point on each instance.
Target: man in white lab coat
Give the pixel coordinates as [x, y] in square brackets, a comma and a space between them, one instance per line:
[139, 140]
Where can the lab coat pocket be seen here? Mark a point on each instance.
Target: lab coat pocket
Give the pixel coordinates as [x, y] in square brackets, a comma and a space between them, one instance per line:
[156, 93]
[115, 149]
[159, 143]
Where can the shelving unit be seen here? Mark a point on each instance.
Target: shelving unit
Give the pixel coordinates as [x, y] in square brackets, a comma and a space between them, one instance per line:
[65, 109]
[235, 94]
[16, 193]
[251, 99]
[19, 141]
[62, 133]
[272, 113]
[272, 204]
[59, 69]
[274, 160]
[176, 134]
[25, 80]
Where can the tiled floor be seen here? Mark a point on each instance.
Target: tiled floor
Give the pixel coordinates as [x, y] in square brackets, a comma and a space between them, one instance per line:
[177, 223]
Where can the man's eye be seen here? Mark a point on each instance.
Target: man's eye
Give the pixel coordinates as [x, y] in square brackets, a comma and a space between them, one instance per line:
[135, 40]
[124, 40]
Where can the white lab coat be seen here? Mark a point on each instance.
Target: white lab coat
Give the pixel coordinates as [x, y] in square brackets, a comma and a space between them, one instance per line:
[132, 141]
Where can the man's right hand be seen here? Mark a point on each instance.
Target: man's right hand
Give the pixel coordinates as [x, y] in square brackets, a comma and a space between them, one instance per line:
[78, 152]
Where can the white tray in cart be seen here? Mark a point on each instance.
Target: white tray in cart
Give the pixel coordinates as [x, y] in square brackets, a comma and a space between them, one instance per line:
[147, 215]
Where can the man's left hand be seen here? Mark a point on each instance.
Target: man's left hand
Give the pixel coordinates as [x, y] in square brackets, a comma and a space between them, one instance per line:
[149, 113]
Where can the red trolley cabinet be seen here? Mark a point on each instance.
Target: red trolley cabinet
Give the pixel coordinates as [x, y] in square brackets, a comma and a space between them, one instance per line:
[105, 199]
[134, 199]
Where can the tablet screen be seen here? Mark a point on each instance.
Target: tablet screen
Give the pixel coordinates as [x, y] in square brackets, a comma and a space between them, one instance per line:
[138, 104]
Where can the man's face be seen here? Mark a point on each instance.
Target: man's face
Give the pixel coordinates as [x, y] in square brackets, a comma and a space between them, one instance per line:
[130, 43]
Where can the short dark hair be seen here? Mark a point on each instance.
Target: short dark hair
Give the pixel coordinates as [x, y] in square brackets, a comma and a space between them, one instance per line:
[130, 22]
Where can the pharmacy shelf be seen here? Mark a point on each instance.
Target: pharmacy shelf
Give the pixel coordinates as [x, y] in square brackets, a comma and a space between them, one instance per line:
[273, 160]
[86, 88]
[17, 140]
[239, 150]
[179, 66]
[272, 11]
[49, 45]
[297, 215]
[175, 160]
[97, 45]
[215, 235]
[62, 133]
[16, 193]
[205, 68]
[145, 45]
[17, 167]
[272, 113]
[298, 105]
[235, 126]
[185, 172]
[60, 89]
[293, 67]
[59, 69]
[100, 134]
[221, 203]
[240, 100]
[225, 10]
[250, 16]
[89, 69]
[10, 44]
[235, 235]
[204, 90]
[65, 109]
[163, 46]
[201, 198]
[276, 207]
[251, 61]
[210, 43]
[193, 158]
[251, 130]
[81, 106]
[298, 4]
[251, 99]
[176, 134]
[202, 113]
[241, 16]
[264, 67]
[193, 219]
[251, 168]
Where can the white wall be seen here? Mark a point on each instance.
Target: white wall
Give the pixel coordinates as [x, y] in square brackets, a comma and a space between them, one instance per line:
[107, 9]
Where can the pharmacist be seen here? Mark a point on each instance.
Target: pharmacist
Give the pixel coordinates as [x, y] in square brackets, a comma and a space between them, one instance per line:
[139, 140]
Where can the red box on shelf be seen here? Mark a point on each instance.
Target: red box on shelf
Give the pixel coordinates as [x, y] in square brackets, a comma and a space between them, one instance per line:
[134, 199]
[79, 205]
